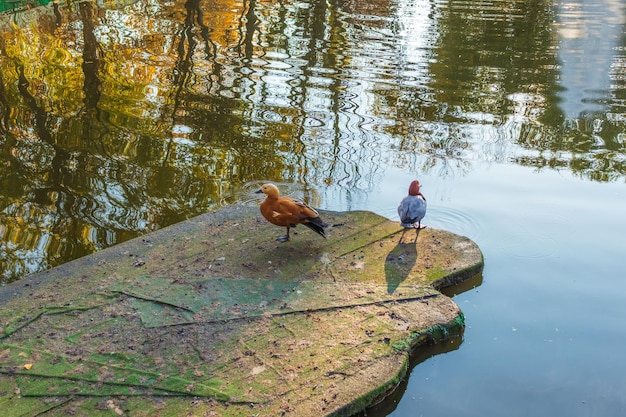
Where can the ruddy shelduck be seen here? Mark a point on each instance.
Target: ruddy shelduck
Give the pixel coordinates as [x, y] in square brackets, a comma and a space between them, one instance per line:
[289, 212]
[412, 208]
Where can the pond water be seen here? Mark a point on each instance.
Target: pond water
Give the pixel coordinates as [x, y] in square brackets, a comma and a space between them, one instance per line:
[121, 117]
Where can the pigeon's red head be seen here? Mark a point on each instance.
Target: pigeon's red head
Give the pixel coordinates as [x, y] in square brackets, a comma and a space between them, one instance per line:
[414, 188]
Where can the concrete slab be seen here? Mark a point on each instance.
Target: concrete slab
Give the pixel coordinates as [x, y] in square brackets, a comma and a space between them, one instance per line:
[213, 316]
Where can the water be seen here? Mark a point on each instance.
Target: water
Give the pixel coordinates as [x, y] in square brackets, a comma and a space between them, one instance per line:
[544, 323]
[118, 118]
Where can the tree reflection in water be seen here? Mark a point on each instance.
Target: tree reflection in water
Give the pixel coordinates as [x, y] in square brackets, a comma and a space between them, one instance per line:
[121, 117]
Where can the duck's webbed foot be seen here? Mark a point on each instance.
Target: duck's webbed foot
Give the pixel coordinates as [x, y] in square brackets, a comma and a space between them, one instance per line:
[284, 238]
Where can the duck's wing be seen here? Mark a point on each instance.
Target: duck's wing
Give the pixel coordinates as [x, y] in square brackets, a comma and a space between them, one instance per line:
[412, 209]
[289, 212]
[402, 208]
[298, 208]
[310, 218]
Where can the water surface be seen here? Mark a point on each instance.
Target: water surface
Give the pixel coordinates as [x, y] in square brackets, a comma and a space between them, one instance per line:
[121, 117]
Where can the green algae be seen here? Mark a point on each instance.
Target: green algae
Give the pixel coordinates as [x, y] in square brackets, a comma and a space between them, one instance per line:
[219, 318]
[57, 375]
[434, 334]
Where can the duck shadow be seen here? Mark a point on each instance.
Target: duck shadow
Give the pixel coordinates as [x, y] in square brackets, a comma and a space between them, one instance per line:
[400, 260]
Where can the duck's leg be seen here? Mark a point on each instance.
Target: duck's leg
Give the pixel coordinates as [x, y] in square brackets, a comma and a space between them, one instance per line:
[284, 238]
[417, 230]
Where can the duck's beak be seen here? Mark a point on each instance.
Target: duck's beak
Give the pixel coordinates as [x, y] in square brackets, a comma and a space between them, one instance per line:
[259, 191]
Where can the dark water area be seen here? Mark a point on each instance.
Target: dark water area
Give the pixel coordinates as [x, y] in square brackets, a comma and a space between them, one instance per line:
[118, 118]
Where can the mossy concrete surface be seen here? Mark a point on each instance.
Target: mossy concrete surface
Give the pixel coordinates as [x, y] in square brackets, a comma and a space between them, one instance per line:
[213, 316]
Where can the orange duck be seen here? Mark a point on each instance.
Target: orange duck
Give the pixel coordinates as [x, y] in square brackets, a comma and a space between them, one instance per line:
[289, 212]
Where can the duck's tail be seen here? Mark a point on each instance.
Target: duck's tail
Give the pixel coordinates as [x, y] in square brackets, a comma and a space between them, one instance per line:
[317, 225]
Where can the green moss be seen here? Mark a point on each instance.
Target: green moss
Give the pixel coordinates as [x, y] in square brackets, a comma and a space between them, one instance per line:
[376, 395]
[220, 322]
[434, 334]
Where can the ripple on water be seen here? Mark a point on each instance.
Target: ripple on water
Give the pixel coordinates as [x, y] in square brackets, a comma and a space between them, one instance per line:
[518, 242]
[271, 116]
[313, 121]
[453, 220]
[389, 212]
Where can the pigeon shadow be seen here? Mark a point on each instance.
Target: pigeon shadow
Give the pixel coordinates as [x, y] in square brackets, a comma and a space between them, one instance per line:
[400, 260]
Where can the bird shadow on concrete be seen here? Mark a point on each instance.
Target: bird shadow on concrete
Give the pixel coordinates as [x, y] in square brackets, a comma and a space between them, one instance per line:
[401, 259]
